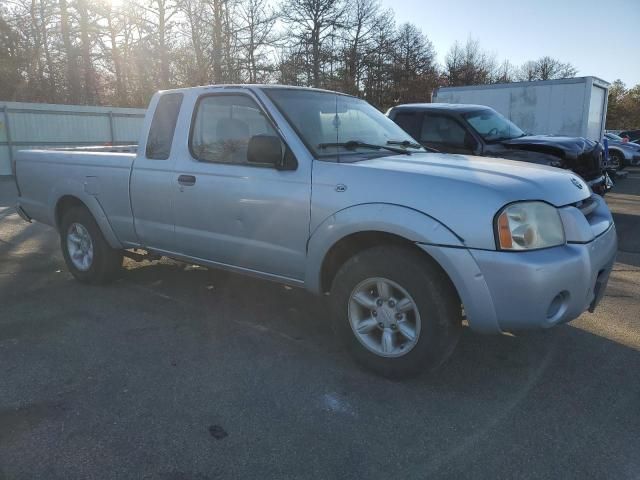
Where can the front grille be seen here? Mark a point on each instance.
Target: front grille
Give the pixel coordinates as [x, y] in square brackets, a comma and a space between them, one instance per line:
[587, 206]
[589, 164]
[598, 219]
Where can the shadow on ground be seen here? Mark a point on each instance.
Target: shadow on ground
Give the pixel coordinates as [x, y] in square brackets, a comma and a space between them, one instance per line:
[129, 379]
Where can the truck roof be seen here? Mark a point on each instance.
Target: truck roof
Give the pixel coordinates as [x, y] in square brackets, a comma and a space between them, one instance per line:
[535, 83]
[252, 86]
[459, 107]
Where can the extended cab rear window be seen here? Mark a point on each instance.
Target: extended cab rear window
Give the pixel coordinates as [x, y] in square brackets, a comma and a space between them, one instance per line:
[163, 126]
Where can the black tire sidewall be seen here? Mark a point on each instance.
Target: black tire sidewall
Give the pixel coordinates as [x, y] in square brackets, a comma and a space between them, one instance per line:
[430, 288]
[619, 158]
[106, 260]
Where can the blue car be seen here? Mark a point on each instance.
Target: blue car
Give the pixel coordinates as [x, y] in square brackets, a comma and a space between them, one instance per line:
[621, 153]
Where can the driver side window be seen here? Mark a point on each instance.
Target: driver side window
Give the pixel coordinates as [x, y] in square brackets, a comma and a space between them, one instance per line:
[223, 126]
[441, 130]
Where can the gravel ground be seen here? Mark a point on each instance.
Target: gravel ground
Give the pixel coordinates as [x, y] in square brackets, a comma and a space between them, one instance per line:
[177, 372]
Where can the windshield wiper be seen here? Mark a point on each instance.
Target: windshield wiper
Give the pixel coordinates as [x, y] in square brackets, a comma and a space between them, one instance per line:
[502, 139]
[404, 143]
[353, 144]
[408, 144]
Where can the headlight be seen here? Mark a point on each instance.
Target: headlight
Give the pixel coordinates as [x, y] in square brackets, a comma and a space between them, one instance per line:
[529, 226]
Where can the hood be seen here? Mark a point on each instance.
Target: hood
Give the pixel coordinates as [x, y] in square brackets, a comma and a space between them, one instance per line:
[507, 179]
[572, 147]
[462, 192]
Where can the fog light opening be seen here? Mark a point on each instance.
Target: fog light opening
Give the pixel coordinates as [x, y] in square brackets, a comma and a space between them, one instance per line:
[558, 307]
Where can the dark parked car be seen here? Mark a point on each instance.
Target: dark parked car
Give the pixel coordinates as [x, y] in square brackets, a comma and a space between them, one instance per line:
[480, 130]
[632, 135]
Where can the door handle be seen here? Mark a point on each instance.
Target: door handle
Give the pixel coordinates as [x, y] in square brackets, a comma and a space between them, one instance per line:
[186, 180]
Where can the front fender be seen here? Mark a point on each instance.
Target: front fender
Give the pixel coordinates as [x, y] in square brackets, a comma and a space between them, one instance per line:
[82, 190]
[405, 222]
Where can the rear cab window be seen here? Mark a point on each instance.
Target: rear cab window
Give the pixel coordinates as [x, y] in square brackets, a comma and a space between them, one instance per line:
[163, 126]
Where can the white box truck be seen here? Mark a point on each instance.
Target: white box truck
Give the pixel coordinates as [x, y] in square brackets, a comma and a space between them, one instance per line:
[574, 107]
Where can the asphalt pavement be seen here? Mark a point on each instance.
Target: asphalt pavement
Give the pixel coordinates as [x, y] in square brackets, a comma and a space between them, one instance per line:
[177, 372]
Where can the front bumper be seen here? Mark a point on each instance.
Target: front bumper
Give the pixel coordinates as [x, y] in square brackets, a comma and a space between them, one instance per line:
[22, 213]
[509, 291]
[601, 184]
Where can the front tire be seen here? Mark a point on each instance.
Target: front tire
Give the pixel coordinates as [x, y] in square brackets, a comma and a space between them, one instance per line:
[396, 311]
[617, 160]
[88, 256]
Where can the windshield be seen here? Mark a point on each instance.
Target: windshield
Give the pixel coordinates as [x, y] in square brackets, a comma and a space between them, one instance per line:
[333, 125]
[492, 126]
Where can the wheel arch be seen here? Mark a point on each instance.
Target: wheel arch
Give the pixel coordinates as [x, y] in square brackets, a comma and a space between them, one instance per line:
[360, 227]
[68, 201]
[619, 151]
[350, 245]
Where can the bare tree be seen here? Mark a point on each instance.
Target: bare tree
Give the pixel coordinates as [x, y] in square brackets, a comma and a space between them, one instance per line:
[468, 64]
[551, 68]
[378, 76]
[546, 68]
[217, 7]
[114, 21]
[361, 20]
[73, 73]
[96, 51]
[158, 26]
[312, 23]
[198, 32]
[256, 34]
[505, 73]
[11, 59]
[85, 24]
[415, 71]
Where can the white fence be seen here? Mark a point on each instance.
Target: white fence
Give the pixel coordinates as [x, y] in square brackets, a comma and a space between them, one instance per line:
[42, 125]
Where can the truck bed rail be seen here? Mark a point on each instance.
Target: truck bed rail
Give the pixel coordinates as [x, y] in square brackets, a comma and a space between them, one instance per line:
[99, 148]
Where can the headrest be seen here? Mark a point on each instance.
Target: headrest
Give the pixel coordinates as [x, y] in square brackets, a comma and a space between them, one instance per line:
[232, 129]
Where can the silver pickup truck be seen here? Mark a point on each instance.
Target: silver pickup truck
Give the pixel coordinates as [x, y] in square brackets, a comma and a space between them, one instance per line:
[320, 190]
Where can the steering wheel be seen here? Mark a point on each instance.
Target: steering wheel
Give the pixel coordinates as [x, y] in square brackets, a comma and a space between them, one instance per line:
[492, 132]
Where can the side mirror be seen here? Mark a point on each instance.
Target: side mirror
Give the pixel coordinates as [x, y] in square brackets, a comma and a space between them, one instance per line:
[267, 150]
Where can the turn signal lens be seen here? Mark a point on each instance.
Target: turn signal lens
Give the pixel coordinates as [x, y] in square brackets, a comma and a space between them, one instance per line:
[529, 226]
[504, 232]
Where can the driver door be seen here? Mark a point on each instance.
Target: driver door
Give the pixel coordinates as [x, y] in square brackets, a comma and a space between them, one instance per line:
[232, 212]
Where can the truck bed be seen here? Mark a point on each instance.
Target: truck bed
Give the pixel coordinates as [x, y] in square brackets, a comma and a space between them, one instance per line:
[43, 177]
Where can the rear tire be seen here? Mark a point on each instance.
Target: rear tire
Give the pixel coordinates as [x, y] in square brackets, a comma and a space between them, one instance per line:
[88, 256]
[376, 322]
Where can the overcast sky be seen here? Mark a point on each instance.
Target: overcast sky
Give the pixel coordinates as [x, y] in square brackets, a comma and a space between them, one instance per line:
[600, 38]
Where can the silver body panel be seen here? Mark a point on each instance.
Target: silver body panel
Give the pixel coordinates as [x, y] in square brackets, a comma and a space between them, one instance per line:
[281, 224]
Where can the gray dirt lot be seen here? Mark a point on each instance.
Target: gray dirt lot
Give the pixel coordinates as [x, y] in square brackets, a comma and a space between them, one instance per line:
[143, 379]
